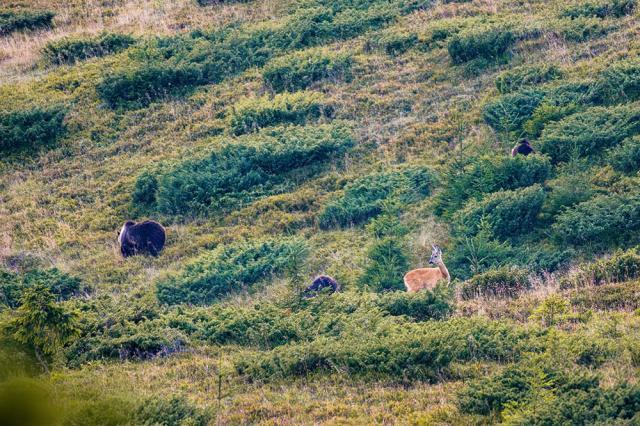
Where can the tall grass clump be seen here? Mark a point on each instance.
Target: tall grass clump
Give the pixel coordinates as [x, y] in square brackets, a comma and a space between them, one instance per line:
[299, 70]
[365, 198]
[242, 170]
[24, 19]
[31, 128]
[74, 49]
[490, 43]
[621, 266]
[225, 270]
[251, 114]
[517, 78]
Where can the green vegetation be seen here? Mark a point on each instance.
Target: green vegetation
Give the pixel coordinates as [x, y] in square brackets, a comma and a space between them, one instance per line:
[61, 285]
[71, 50]
[24, 19]
[250, 115]
[488, 43]
[31, 128]
[498, 282]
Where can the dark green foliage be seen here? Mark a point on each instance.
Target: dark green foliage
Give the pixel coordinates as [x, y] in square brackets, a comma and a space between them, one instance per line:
[525, 76]
[388, 261]
[582, 29]
[137, 87]
[175, 411]
[420, 306]
[71, 50]
[420, 351]
[587, 133]
[61, 285]
[250, 115]
[508, 213]
[24, 19]
[394, 42]
[481, 175]
[614, 297]
[244, 169]
[488, 43]
[145, 190]
[509, 112]
[605, 220]
[300, 70]
[599, 9]
[618, 83]
[567, 190]
[621, 266]
[225, 270]
[364, 198]
[625, 157]
[31, 128]
[501, 282]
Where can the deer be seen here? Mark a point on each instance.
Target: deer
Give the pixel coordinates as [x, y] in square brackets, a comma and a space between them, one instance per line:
[427, 278]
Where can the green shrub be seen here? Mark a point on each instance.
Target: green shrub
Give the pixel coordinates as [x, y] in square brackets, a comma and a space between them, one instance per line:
[145, 190]
[625, 157]
[175, 411]
[607, 220]
[489, 43]
[617, 297]
[252, 114]
[244, 169]
[621, 266]
[24, 19]
[618, 83]
[566, 191]
[387, 263]
[509, 112]
[60, 284]
[586, 133]
[477, 176]
[71, 50]
[31, 128]
[137, 87]
[394, 42]
[420, 306]
[501, 282]
[365, 198]
[225, 270]
[299, 70]
[515, 79]
[411, 351]
[599, 9]
[582, 29]
[508, 213]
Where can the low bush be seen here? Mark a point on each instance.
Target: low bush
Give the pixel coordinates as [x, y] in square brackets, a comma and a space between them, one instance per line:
[566, 191]
[24, 19]
[31, 128]
[299, 70]
[249, 115]
[420, 306]
[508, 213]
[244, 169]
[621, 266]
[63, 286]
[71, 50]
[587, 133]
[477, 176]
[411, 351]
[509, 112]
[618, 83]
[489, 43]
[394, 42]
[607, 220]
[516, 79]
[364, 198]
[582, 29]
[625, 157]
[599, 9]
[500, 282]
[616, 297]
[225, 270]
[172, 411]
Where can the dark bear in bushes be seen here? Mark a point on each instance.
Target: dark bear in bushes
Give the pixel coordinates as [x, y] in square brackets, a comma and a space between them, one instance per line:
[141, 238]
[523, 147]
[319, 284]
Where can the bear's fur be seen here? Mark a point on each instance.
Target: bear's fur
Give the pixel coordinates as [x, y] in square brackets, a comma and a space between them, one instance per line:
[523, 147]
[321, 283]
[141, 238]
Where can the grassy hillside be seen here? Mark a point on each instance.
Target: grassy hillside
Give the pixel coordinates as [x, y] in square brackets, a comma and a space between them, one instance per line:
[280, 140]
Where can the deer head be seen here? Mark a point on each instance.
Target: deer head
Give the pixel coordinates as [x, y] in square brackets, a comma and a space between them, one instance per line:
[436, 255]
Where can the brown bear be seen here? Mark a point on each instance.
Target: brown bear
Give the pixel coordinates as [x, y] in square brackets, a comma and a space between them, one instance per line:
[321, 283]
[523, 147]
[146, 237]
